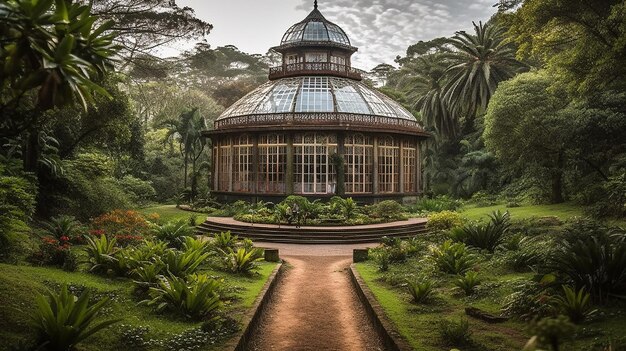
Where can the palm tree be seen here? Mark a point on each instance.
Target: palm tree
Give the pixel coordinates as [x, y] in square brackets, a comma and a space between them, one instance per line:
[423, 80]
[186, 130]
[480, 62]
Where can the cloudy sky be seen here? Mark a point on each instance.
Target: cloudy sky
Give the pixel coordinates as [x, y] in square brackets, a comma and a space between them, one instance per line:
[381, 29]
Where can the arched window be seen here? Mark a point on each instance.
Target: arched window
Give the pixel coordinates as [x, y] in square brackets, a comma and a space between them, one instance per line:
[314, 172]
[222, 156]
[388, 165]
[242, 167]
[409, 164]
[272, 163]
[358, 154]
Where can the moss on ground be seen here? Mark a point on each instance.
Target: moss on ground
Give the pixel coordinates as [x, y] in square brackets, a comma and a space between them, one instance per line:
[562, 211]
[20, 284]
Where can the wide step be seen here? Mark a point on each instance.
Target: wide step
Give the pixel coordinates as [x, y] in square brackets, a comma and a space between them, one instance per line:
[314, 235]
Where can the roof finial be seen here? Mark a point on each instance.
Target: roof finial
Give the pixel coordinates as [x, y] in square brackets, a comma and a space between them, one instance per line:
[315, 4]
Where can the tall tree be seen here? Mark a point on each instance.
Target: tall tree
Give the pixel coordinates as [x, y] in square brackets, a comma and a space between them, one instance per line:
[480, 62]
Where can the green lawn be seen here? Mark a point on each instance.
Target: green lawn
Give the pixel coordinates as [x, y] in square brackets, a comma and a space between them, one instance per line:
[20, 284]
[171, 213]
[562, 211]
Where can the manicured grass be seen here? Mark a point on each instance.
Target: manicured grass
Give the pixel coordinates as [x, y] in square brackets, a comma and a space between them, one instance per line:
[171, 213]
[20, 284]
[562, 211]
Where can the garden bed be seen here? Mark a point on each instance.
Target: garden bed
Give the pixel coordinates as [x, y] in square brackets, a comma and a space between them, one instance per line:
[516, 289]
[20, 284]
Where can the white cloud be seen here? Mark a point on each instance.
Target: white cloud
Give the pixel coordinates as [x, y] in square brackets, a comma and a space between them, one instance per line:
[383, 29]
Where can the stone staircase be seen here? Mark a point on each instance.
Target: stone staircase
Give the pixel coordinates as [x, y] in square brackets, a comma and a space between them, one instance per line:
[314, 235]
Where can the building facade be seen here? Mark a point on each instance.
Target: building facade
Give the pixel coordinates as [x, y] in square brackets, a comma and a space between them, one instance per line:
[315, 129]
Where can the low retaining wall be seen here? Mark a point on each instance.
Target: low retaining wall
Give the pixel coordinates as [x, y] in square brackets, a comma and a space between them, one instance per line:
[388, 333]
[251, 320]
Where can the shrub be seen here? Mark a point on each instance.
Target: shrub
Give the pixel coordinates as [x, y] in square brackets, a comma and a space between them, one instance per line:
[468, 282]
[455, 333]
[484, 236]
[529, 253]
[390, 210]
[64, 226]
[444, 220]
[596, 262]
[195, 298]
[420, 290]
[173, 233]
[439, 204]
[529, 300]
[120, 222]
[100, 252]
[242, 260]
[574, 304]
[382, 258]
[183, 263]
[52, 251]
[552, 331]
[611, 199]
[194, 244]
[453, 258]
[17, 205]
[64, 320]
[139, 191]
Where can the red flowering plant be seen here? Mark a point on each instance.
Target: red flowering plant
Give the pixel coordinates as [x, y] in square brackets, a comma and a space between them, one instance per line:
[53, 251]
[127, 227]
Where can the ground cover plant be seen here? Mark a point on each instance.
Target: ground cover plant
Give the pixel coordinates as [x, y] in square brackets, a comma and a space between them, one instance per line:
[443, 296]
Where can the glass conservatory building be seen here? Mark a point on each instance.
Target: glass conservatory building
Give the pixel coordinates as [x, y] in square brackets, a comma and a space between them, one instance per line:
[315, 129]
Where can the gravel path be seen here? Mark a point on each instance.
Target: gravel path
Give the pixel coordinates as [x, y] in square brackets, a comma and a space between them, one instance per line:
[315, 307]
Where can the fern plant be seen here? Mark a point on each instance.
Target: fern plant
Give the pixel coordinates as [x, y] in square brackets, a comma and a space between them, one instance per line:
[148, 274]
[468, 282]
[195, 298]
[64, 226]
[453, 258]
[242, 260]
[574, 304]
[194, 244]
[420, 290]
[64, 320]
[101, 252]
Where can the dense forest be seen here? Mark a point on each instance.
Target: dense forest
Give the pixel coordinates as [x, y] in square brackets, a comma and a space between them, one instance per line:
[529, 107]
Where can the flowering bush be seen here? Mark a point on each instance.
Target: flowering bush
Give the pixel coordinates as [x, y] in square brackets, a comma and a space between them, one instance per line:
[53, 251]
[128, 227]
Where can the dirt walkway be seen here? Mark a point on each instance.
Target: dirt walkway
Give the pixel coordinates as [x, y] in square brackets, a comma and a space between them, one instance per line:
[315, 307]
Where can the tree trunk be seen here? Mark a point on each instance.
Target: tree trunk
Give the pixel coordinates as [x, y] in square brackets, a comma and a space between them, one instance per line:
[186, 166]
[557, 181]
[30, 155]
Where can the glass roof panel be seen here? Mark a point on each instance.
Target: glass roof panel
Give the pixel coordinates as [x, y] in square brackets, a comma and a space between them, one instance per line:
[315, 31]
[294, 33]
[378, 106]
[280, 99]
[248, 104]
[337, 34]
[315, 95]
[348, 98]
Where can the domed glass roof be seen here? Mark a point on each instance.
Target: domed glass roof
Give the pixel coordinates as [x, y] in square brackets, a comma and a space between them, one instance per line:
[315, 28]
[316, 94]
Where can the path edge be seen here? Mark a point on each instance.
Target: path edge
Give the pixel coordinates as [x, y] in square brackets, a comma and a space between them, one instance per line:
[383, 325]
[241, 341]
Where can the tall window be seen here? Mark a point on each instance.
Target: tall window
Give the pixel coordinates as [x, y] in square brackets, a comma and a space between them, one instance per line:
[409, 164]
[388, 165]
[242, 167]
[272, 163]
[314, 172]
[358, 153]
[223, 159]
